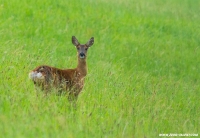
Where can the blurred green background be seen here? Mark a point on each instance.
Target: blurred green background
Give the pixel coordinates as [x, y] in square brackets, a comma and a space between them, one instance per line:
[143, 69]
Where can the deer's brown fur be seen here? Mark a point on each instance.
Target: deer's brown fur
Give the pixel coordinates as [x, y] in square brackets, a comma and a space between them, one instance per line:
[70, 80]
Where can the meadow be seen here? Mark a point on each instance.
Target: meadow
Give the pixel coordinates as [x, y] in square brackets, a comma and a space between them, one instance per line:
[143, 69]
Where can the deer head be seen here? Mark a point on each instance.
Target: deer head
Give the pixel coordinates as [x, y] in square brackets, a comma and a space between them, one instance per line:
[82, 48]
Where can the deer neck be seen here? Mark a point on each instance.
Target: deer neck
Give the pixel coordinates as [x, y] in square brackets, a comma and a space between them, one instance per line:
[82, 67]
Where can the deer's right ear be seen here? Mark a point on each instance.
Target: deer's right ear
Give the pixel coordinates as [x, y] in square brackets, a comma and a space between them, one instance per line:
[75, 41]
[90, 42]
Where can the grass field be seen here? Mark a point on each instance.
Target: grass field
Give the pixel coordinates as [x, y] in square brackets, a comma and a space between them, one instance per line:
[143, 69]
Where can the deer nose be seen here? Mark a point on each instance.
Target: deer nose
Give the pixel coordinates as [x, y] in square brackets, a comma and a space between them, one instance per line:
[82, 55]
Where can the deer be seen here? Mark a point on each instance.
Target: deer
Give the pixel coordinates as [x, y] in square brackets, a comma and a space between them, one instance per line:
[64, 80]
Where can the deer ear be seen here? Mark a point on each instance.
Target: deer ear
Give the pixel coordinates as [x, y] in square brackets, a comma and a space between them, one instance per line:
[75, 41]
[90, 42]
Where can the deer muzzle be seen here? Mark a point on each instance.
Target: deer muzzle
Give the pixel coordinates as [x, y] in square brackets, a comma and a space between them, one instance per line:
[82, 55]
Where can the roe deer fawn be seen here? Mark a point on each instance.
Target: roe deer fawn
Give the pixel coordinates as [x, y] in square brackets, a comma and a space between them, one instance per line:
[70, 80]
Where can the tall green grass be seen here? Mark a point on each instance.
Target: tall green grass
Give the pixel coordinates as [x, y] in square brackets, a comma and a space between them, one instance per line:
[143, 69]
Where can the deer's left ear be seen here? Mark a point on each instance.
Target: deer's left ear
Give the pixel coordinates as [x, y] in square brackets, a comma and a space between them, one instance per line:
[75, 41]
[90, 42]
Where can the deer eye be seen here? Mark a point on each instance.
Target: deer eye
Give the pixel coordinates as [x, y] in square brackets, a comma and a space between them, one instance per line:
[78, 48]
[86, 48]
